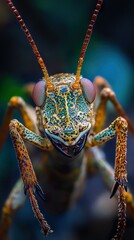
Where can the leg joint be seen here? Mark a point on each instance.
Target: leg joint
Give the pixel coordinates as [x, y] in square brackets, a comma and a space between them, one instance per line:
[16, 102]
[107, 93]
[121, 124]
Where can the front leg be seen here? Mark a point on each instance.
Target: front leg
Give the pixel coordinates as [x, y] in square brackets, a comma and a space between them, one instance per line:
[119, 128]
[27, 112]
[18, 133]
[105, 94]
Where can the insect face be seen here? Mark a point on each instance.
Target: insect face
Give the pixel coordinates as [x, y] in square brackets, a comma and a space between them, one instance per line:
[65, 99]
[66, 114]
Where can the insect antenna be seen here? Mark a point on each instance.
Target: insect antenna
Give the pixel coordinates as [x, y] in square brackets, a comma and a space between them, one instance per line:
[32, 43]
[85, 43]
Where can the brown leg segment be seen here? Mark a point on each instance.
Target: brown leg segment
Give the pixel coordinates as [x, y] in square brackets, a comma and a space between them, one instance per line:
[16, 198]
[119, 128]
[18, 132]
[121, 215]
[106, 94]
[27, 113]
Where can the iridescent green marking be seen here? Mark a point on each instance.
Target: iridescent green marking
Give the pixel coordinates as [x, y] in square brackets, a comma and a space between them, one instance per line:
[51, 109]
[66, 112]
[107, 133]
[82, 105]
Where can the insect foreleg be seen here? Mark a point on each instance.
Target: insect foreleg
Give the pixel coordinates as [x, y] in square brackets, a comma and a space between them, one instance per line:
[18, 133]
[107, 94]
[29, 136]
[26, 111]
[119, 128]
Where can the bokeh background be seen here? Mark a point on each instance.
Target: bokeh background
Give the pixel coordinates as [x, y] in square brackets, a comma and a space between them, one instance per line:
[58, 28]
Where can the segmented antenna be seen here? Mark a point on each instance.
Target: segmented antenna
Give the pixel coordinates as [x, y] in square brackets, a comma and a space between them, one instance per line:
[32, 43]
[85, 43]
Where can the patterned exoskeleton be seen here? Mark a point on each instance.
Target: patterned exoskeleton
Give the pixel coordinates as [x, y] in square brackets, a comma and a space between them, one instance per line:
[68, 124]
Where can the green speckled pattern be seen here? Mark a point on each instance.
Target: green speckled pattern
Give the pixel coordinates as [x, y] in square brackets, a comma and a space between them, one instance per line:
[66, 112]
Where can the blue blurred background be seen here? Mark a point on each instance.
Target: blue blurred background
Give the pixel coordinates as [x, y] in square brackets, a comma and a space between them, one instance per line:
[58, 28]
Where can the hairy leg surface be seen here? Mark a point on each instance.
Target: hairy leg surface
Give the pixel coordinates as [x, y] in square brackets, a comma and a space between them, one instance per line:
[19, 133]
[117, 128]
[27, 113]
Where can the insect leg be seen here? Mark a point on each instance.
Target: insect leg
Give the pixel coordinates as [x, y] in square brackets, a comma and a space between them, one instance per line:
[119, 128]
[14, 201]
[18, 134]
[105, 93]
[26, 111]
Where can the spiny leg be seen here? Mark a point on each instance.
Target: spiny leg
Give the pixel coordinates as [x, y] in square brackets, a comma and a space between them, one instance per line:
[16, 199]
[29, 118]
[121, 215]
[18, 134]
[119, 128]
[26, 111]
[14, 202]
[105, 93]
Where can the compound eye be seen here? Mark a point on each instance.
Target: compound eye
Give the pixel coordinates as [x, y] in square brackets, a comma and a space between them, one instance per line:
[39, 93]
[88, 89]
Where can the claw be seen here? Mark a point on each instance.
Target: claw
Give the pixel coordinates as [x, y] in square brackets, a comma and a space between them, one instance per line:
[125, 186]
[116, 185]
[40, 192]
[25, 189]
[37, 189]
[114, 190]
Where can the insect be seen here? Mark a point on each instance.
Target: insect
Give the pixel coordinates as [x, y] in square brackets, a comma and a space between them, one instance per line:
[67, 126]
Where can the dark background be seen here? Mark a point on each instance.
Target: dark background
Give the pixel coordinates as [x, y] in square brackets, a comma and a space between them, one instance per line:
[58, 28]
